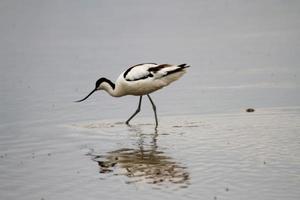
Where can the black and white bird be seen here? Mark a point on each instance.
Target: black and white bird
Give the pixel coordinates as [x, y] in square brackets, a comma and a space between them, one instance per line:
[139, 80]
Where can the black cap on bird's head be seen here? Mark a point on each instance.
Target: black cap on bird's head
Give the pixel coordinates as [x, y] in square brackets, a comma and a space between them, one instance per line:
[98, 87]
[99, 81]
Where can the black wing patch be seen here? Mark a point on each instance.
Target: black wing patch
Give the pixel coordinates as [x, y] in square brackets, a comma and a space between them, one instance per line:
[152, 70]
[157, 68]
[181, 67]
[144, 77]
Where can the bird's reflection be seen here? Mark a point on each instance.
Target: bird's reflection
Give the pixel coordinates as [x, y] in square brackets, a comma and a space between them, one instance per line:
[145, 163]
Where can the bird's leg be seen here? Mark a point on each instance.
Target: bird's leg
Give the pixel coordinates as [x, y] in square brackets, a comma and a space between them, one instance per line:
[136, 112]
[154, 109]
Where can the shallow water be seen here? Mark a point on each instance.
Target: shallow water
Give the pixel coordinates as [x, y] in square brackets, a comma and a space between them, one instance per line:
[242, 55]
[229, 156]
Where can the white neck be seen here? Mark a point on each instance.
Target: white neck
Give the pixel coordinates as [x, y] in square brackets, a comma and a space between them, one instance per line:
[109, 89]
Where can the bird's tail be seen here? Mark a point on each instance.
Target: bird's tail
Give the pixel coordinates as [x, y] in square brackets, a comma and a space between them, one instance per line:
[183, 65]
[176, 68]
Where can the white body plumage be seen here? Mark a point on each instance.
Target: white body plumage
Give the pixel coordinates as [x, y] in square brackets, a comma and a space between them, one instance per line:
[146, 78]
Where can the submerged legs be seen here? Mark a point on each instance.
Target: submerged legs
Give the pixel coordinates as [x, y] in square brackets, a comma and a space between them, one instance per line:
[139, 109]
[136, 112]
[154, 109]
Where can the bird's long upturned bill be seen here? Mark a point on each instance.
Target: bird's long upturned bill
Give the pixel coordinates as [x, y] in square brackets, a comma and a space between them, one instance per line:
[87, 95]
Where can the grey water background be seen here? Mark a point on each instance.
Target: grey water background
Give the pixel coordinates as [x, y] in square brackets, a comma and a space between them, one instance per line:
[243, 54]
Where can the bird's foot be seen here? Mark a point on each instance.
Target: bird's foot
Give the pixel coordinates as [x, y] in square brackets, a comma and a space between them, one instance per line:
[127, 123]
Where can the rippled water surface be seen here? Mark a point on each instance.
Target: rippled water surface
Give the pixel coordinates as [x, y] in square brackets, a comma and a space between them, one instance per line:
[230, 156]
[243, 54]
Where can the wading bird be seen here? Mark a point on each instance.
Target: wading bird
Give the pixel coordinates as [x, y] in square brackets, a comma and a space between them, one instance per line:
[139, 80]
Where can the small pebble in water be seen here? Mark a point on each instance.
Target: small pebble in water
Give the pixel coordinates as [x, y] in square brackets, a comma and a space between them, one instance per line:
[250, 110]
